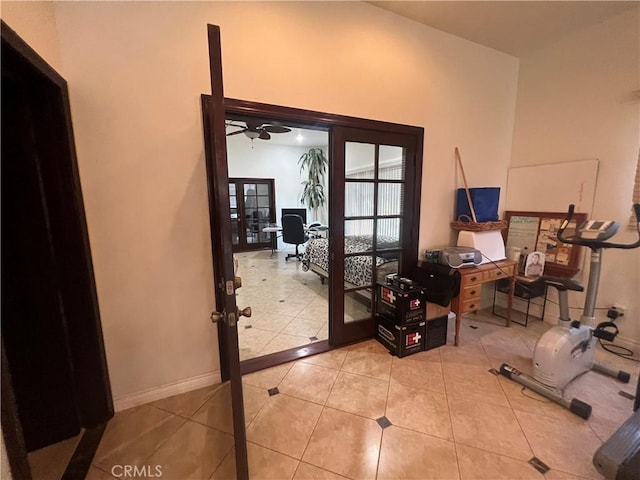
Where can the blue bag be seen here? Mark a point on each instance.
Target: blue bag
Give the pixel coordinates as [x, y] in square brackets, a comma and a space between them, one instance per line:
[485, 203]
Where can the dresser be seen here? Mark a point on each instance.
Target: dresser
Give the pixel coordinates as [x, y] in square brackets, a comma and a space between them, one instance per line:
[471, 280]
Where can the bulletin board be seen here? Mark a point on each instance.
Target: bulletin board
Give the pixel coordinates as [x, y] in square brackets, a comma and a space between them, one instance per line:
[536, 231]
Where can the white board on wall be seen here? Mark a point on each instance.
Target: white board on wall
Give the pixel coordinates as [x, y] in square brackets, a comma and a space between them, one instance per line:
[552, 187]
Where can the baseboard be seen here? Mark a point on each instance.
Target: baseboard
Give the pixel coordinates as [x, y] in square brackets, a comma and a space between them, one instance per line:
[158, 393]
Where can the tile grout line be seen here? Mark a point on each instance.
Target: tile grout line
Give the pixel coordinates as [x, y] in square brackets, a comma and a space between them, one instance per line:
[453, 433]
[510, 406]
[386, 404]
[316, 423]
[161, 444]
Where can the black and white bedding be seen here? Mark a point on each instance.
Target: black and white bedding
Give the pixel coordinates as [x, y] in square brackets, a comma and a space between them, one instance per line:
[357, 269]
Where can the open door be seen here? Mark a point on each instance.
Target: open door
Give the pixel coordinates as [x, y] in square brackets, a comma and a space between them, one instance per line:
[227, 314]
[55, 381]
[374, 211]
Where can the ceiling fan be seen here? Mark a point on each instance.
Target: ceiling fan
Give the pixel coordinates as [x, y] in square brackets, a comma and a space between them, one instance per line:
[256, 129]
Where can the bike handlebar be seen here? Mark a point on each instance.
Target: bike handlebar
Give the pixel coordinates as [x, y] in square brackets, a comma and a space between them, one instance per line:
[597, 243]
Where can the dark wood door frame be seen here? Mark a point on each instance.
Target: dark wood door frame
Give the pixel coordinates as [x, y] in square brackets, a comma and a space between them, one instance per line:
[69, 242]
[309, 119]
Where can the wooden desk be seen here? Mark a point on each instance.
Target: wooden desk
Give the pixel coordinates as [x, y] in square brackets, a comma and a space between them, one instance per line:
[471, 280]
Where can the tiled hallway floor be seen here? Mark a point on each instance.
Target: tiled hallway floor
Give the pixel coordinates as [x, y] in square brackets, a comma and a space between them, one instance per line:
[360, 413]
[290, 307]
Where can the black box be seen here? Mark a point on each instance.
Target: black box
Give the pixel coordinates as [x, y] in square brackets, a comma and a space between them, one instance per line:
[401, 306]
[402, 283]
[401, 340]
[441, 282]
[436, 332]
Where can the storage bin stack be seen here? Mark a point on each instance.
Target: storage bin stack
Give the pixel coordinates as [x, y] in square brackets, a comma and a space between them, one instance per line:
[401, 315]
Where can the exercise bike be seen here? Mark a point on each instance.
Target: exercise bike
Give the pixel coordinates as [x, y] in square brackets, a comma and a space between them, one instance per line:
[568, 349]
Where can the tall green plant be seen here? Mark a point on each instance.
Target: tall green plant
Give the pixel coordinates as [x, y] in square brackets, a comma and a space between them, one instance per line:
[315, 162]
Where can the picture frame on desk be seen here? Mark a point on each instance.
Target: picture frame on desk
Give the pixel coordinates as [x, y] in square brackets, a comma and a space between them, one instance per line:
[536, 232]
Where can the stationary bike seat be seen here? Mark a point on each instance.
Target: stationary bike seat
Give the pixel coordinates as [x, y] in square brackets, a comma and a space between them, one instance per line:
[562, 283]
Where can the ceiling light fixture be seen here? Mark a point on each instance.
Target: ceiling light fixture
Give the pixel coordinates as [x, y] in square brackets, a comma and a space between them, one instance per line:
[252, 134]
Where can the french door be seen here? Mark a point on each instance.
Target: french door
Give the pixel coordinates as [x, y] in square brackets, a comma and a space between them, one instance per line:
[375, 175]
[375, 215]
[252, 205]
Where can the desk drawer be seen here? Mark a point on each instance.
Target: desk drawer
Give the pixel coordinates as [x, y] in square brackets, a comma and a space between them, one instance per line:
[497, 274]
[470, 305]
[471, 293]
[473, 278]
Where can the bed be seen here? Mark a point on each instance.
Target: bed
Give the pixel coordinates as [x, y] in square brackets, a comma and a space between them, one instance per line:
[357, 269]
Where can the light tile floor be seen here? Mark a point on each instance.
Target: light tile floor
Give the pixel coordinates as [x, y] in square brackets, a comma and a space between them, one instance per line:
[448, 416]
[289, 305]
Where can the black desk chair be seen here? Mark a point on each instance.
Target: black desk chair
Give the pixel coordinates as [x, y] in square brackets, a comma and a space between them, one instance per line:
[293, 233]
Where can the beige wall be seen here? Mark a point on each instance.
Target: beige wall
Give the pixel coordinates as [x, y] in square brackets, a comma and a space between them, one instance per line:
[35, 23]
[135, 73]
[574, 103]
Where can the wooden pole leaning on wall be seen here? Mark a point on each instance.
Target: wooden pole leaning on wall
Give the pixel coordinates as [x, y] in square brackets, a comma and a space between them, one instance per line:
[466, 187]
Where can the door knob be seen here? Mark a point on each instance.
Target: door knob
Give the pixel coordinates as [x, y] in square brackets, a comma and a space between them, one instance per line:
[217, 317]
[246, 312]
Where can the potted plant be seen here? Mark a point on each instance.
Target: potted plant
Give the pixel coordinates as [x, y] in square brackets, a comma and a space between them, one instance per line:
[315, 162]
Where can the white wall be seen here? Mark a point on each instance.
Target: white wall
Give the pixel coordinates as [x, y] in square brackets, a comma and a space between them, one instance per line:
[574, 103]
[269, 160]
[135, 73]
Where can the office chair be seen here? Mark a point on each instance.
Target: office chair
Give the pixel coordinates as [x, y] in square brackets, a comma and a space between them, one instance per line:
[293, 233]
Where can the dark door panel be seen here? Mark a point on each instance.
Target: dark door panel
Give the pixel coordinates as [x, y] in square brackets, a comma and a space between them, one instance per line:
[33, 319]
[227, 313]
[374, 215]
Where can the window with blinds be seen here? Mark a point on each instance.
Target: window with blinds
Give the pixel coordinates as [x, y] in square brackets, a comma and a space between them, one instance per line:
[359, 198]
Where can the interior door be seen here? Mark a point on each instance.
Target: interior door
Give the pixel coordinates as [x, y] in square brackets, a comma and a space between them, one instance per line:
[374, 214]
[225, 282]
[252, 203]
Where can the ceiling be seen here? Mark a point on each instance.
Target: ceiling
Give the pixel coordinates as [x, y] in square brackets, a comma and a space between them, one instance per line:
[308, 138]
[510, 27]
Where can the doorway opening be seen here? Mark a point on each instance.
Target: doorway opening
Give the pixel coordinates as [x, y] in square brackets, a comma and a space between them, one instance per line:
[55, 384]
[289, 304]
[392, 174]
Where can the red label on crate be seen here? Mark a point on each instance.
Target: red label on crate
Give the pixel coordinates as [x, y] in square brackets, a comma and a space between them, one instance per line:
[415, 303]
[413, 339]
[388, 296]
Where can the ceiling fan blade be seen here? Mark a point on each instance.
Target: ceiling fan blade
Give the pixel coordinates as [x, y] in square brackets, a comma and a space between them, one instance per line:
[275, 129]
[236, 132]
[264, 135]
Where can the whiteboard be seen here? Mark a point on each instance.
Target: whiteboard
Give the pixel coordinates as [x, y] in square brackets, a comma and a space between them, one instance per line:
[552, 187]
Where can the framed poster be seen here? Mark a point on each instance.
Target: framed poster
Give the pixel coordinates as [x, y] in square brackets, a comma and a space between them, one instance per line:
[536, 232]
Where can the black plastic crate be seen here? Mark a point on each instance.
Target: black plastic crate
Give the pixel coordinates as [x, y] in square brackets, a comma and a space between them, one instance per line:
[436, 332]
[401, 340]
[401, 306]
